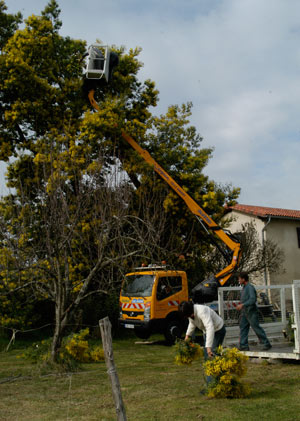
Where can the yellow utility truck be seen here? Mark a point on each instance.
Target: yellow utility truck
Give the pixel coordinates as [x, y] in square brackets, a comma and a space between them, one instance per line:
[149, 301]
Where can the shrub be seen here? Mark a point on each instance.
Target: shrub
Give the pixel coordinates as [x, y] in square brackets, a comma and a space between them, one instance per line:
[37, 351]
[226, 369]
[75, 350]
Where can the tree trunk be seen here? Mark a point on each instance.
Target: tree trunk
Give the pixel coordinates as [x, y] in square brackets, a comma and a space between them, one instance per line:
[60, 323]
[57, 336]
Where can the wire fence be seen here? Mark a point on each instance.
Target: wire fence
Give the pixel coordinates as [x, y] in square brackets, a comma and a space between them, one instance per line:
[15, 331]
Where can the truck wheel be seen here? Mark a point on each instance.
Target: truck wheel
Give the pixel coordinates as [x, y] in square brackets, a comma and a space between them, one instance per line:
[142, 333]
[173, 331]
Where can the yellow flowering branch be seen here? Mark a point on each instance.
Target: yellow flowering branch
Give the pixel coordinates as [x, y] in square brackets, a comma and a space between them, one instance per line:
[187, 352]
[226, 370]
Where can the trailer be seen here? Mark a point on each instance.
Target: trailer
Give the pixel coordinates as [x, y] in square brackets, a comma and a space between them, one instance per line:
[279, 317]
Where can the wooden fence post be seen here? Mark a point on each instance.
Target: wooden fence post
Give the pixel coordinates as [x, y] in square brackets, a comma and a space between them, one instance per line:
[105, 328]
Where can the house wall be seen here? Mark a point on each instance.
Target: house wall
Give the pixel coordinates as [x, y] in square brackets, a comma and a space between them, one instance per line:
[284, 233]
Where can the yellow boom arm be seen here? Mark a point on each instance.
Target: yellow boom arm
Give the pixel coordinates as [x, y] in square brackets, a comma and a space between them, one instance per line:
[191, 204]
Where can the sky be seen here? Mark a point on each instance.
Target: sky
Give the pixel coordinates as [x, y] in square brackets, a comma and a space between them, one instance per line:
[237, 61]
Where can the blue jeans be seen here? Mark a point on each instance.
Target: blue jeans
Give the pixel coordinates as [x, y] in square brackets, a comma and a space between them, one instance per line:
[249, 317]
[218, 340]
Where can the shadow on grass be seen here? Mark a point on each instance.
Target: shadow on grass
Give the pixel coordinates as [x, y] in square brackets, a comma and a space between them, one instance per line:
[155, 342]
[164, 342]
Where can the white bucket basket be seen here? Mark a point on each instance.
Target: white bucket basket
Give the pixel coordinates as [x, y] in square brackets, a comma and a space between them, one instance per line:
[98, 62]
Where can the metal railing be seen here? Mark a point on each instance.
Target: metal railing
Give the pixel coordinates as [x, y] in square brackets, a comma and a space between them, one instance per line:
[296, 315]
[279, 308]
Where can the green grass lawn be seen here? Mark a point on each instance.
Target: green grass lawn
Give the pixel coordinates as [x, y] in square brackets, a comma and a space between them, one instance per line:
[153, 388]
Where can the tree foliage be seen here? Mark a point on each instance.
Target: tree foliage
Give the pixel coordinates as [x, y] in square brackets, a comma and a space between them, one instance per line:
[73, 223]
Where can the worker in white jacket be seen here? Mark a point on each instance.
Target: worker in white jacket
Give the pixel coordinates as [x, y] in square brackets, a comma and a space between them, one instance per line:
[207, 320]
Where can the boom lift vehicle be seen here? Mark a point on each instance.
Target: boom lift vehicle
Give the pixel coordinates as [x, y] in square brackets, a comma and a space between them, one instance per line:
[150, 296]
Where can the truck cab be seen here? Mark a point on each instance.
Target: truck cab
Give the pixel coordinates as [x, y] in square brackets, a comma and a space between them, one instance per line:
[149, 301]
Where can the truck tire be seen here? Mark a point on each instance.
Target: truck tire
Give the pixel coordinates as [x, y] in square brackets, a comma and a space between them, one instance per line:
[173, 330]
[142, 332]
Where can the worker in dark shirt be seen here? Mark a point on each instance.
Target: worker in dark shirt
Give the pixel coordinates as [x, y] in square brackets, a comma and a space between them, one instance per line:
[249, 315]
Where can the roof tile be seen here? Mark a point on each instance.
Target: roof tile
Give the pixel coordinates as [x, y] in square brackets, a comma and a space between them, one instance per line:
[263, 211]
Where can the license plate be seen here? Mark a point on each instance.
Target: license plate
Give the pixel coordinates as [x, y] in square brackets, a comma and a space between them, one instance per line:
[129, 326]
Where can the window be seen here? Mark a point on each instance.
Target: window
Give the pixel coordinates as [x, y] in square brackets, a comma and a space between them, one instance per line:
[138, 285]
[167, 286]
[298, 235]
